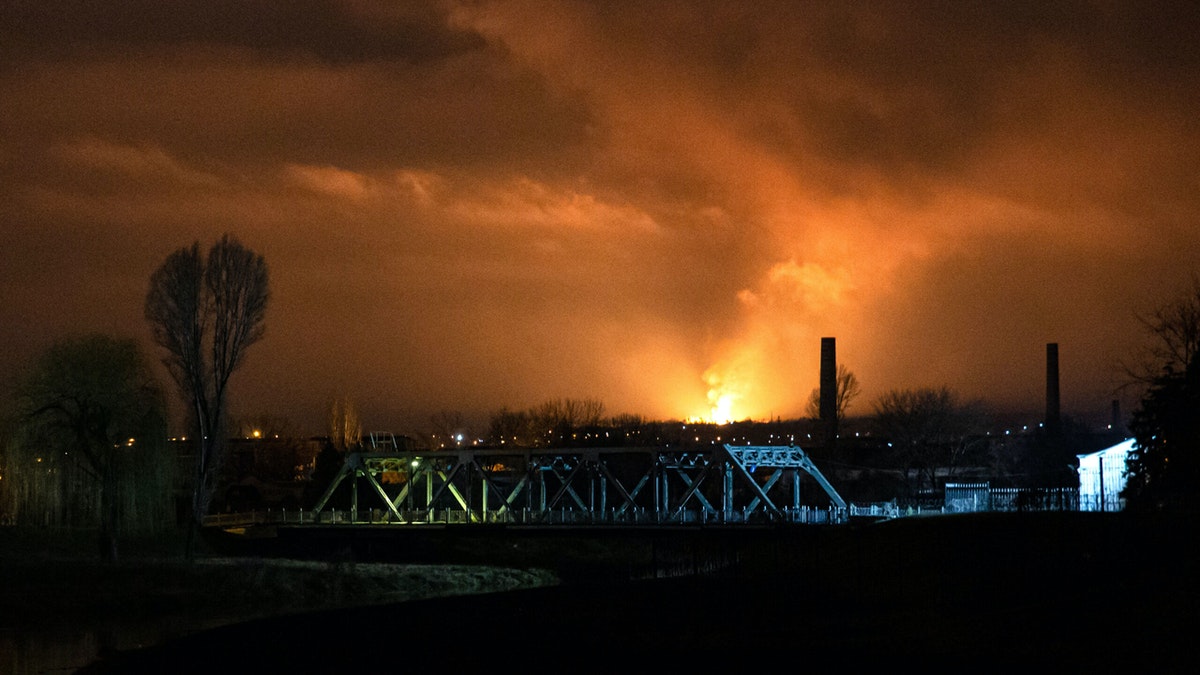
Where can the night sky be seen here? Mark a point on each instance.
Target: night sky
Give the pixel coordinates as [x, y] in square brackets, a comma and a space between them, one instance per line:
[477, 205]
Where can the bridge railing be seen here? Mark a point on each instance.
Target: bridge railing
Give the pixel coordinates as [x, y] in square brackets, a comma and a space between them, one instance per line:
[1002, 499]
[875, 510]
[383, 517]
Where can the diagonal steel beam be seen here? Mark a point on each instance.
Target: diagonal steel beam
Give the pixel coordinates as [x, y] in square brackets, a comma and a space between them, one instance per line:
[566, 487]
[741, 470]
[381, 492]
[692, 491]
[348, 467]
[625, 494]
[774, 478]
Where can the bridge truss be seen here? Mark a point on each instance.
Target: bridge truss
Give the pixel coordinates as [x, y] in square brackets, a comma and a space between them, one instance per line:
[622, 485]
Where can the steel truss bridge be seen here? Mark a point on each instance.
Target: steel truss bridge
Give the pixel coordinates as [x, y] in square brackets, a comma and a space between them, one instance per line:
[585, 486]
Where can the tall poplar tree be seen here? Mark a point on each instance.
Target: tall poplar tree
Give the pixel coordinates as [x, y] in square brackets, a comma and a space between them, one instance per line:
[205, 312]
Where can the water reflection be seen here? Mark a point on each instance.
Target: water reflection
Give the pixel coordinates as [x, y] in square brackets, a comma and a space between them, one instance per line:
[38, 652]
[35, 654]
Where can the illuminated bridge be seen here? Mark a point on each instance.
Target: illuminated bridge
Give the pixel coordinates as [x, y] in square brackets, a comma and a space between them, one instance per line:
[586, 486]
[620, 510]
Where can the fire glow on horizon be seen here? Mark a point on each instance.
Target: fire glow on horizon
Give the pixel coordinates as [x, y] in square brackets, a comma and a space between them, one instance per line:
[660, 206]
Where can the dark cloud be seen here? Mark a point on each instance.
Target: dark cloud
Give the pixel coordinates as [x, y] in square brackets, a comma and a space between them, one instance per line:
[333, 32]
[471, 112]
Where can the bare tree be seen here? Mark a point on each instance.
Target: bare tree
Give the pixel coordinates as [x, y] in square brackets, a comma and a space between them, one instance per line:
[1174, 329]
[446, 427]
[94, 398]
[1164, 467]
[205, 313]
[589, 412]
[848, 389]
[559, 418]
[627, 421]
[512, 428]
[551, 422]
[927, 429]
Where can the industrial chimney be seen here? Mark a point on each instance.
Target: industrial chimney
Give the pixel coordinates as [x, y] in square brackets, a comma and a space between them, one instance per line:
[1052, 397]
[828, 410]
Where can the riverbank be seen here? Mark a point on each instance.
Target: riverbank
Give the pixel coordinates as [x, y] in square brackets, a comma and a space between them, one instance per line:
[988, 592]
[60, 609]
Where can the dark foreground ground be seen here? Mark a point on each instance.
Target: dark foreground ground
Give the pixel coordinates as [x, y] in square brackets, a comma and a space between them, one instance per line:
[974, 594]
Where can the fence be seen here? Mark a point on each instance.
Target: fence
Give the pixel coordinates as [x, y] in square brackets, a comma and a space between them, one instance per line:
[982, 497]
[959, 498]
[1035, 499]
[800, 515]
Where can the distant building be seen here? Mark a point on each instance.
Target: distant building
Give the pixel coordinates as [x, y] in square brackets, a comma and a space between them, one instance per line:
[1102, 477]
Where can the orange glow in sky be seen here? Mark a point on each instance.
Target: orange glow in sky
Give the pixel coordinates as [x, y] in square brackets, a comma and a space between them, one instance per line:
[470, 206]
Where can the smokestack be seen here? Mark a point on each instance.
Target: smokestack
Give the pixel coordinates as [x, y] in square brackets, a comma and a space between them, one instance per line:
[1117, 424]
[829, 390]
[1052, 399]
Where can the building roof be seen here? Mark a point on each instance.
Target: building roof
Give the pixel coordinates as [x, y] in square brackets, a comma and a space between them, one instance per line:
[1121, 448]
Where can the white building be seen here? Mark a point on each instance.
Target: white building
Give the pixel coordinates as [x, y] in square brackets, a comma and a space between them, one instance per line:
[1102, 477]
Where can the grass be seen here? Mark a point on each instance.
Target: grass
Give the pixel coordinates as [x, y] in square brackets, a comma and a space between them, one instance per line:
[53, 583]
